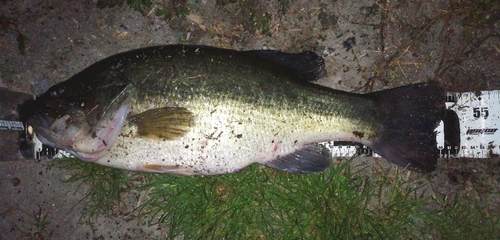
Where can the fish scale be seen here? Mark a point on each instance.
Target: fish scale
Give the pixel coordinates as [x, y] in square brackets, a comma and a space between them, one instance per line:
[228, 136]
[197, 110]
[471, 148]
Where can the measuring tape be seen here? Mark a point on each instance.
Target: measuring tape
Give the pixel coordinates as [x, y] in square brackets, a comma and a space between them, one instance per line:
[470, 126]
[469, 129]
[11, 125]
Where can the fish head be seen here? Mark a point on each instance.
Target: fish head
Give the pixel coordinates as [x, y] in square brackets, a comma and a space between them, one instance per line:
[82, 118]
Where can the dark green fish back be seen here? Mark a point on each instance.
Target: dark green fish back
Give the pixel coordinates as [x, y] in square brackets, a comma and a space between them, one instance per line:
[178, 73]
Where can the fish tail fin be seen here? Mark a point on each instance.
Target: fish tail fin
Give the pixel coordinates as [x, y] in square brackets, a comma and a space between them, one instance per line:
[410, 116]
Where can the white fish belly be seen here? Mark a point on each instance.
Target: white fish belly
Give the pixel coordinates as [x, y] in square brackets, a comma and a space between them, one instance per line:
[225, 138]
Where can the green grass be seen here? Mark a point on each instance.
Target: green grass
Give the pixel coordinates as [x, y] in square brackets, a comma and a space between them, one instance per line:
[256, 203]
[38, 228]
[105, 187]
[142, 6]
[260, 203]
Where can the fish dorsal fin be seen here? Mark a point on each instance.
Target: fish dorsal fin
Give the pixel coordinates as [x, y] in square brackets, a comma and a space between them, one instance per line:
[164, 123]
[307, 65]
[309, 159]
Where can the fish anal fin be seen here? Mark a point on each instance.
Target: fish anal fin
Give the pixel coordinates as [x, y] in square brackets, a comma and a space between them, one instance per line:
[309, 159]
[163, 123]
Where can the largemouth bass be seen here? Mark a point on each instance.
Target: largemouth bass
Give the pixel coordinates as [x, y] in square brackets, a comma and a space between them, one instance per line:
[198, 110]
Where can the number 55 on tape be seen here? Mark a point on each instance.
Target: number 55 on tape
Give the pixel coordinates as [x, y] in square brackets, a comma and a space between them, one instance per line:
[470, 127]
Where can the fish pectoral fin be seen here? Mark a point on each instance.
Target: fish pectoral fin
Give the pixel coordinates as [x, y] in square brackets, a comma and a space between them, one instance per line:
[169, 169]
[163, 123]
[309, 159]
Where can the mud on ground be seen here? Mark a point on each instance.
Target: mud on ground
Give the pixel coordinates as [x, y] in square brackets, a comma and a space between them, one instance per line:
[368, 45]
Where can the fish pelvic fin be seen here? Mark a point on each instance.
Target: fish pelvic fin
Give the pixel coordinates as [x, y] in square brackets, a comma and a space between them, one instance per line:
[407, 135]
[163, 123]
[169, 169]
[307, 65]
[309, 159]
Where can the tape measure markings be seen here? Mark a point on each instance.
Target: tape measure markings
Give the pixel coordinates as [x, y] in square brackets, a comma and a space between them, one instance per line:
[478, 114]
[11, 125]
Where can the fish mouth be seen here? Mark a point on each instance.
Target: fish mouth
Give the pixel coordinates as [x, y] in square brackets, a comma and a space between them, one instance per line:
[83, 140]
[85, 124]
